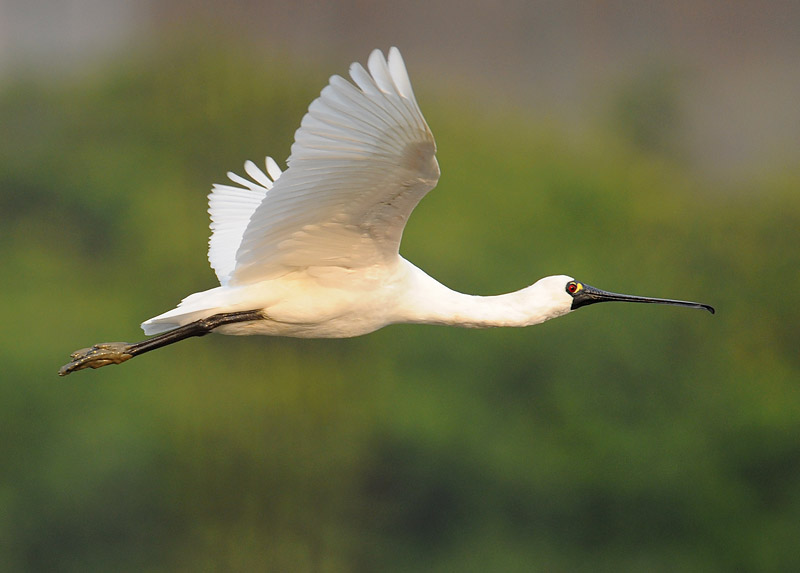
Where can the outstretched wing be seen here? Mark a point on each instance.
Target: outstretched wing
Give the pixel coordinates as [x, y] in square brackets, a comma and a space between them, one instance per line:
[362, 159]
[231, 209]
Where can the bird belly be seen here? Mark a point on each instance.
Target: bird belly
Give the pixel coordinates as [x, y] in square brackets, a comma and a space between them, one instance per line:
[345, 326]
[308, 310]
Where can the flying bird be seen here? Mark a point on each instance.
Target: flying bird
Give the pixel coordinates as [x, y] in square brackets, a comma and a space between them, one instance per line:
[313, 251]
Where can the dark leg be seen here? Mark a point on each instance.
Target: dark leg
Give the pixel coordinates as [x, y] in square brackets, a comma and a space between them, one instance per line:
[106, 353]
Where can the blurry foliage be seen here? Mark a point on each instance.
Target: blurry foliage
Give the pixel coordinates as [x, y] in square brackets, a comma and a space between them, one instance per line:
[619, 438]
[646, 110]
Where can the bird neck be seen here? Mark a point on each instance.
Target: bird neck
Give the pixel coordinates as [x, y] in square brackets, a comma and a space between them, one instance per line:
[427, 301]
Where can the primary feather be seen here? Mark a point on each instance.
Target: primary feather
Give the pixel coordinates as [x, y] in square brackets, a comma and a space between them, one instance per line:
[230, 209]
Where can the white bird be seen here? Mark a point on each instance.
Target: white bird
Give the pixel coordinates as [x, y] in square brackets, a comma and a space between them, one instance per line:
[314, 251]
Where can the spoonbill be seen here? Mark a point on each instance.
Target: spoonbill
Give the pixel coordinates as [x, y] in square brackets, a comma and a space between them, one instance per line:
[313, 251]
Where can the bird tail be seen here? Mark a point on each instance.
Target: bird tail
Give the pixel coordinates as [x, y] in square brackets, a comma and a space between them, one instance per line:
[193, 307]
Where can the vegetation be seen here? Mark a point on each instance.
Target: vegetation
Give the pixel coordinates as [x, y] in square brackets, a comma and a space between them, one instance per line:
[618, 438]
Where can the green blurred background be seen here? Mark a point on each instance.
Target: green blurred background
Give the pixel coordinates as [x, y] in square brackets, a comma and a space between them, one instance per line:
[620, 438]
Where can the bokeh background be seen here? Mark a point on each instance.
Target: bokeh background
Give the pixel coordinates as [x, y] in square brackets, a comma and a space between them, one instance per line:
[643, 147]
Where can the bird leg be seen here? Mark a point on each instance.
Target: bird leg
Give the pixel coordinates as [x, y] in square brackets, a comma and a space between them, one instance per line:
[105, 353]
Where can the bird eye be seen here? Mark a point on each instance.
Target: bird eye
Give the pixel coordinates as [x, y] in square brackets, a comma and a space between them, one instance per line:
[572, 287]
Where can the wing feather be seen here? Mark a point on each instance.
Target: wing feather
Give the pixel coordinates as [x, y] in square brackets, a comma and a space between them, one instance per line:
[230, 209]
[362, 159]
[258, 176]
[398, 71]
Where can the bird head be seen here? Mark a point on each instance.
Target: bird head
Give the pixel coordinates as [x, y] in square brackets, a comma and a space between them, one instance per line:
[580, 294]
[560, 294]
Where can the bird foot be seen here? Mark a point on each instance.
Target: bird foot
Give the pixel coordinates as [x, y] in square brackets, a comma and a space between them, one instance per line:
[97, 356]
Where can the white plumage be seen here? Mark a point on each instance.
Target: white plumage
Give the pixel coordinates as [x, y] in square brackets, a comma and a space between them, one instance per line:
[313, 251]
[231, 209]
[361, 161]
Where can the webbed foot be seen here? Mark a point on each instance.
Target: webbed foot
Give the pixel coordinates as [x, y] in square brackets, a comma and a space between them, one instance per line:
[99, 355]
